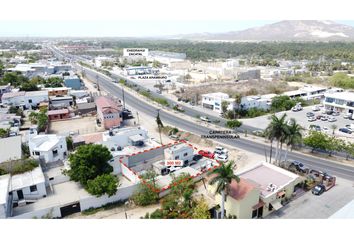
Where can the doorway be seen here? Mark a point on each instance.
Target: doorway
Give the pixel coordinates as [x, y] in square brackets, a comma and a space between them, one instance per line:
[19, 194]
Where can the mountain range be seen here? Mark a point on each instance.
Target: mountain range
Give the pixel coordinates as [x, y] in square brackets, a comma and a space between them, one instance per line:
[288, 30]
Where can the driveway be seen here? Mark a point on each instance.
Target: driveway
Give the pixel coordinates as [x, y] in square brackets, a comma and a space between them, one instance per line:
[310, 206]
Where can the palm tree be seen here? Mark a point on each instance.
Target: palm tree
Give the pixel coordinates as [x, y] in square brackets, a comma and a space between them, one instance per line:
[293, 136]
[333, 127]
[223, 176]
[276, 130]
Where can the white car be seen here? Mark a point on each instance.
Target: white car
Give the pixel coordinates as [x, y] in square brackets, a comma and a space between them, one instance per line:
[173, 168]
[311, 119]
[332, 119]
[220, 150]
[316, 108]
[205, 119]
[221, 157]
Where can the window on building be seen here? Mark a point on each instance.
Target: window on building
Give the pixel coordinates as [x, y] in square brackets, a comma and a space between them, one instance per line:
[185, 154]
[33, 188]
[270, 207]
[55, 151]
[36, 153]
[176, 157]
[29, 100]
[254, 213]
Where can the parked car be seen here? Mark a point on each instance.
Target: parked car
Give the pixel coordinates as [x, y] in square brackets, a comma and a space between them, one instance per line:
[316, 108]
[221, 157]
[205, 119]
[206, 154]
[221, 150]
[197, 157]
[300, 166]
[335, 113]
[332, 119]
[318, 189]
[310, 114]
[173, 168]
[318, 117]
[329, 112]
[324, 118]
[345, 130]
[311, 119]
[259, 133]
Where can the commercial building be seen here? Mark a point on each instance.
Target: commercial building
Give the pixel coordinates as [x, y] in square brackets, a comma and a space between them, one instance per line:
[262, 190]
[48, 148]
[214, 101]
[73, 82]
[308, 92]
[109, 112]
[10, 148]
[263, 102]
[340, 101]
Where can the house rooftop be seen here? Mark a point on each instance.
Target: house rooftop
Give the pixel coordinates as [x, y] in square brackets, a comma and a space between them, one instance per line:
[239, 190]
[27, 179]
[265, 174]
[45, 143]
[59, 111]
[217, 94]
[10, 148]
[36, 93]
[106, 103]
[13, 94]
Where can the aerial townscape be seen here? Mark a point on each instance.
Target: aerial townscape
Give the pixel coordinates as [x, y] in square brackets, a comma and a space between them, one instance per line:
[249, 124]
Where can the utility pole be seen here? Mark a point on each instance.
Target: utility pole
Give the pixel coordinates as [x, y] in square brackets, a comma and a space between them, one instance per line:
[137, 115]
[159, 125]
[123, 97]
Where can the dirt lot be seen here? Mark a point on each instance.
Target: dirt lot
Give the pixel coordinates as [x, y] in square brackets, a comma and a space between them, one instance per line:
[245, 88]
[80, 125]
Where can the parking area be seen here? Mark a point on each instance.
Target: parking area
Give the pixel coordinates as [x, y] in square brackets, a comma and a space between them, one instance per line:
[78, 126]
[309, 206]
[300, 116]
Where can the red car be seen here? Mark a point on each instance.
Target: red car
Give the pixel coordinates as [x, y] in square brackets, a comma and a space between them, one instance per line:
[206, 154]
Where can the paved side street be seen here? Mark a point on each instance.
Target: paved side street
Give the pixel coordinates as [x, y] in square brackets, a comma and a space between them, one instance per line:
[310, 206]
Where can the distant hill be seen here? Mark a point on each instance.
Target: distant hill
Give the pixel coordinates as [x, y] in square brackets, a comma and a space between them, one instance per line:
[292, 30]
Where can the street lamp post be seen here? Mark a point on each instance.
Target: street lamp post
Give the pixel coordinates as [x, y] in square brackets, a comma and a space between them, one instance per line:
[159, 126]
[123, 97]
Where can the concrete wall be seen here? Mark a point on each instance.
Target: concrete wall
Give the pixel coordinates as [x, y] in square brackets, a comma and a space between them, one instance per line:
[121, 195]
[129, 174]
[51, 212]
[152, 154]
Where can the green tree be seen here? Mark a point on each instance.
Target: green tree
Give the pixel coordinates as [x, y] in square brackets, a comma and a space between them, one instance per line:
[4, 133]
[222, 177]
[333, 127]
[28, 87]
[276, 130]
[179, 203]
[69, 143]
[88, 162]
[15, 79]
[293, 136]
[148, 191]
[282, 103]
[316, 140]
[103, 184]
[233, 124]
[201, 210]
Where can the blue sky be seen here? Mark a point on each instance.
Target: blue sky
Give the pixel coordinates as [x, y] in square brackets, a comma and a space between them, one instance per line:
[90, 28]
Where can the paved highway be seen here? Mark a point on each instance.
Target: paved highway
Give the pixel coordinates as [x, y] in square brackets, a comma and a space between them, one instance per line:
[106, 83]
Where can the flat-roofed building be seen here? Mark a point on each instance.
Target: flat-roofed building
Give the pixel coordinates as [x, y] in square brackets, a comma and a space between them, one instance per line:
[10, 148]
[263, 189]
[340, 101]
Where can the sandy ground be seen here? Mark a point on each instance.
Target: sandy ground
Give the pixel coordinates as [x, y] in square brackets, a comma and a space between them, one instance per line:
[80, 125]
